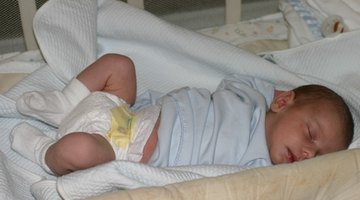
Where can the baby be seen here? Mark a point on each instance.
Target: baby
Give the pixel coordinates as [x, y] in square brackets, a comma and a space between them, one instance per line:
[245, 122]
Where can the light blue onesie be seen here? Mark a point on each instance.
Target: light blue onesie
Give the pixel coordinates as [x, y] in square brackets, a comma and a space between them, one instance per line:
[225, 127]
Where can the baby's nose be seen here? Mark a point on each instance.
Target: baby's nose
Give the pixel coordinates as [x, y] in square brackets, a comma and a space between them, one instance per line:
[309, 152]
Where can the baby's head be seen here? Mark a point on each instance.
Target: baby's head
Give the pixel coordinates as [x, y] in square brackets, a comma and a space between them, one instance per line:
[306, 122]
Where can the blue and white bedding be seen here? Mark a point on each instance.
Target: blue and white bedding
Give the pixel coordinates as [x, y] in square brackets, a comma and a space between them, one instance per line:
[72, 34]
[306, 18]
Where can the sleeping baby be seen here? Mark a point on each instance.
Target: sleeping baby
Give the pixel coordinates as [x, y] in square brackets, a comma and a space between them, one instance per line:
[245, 122]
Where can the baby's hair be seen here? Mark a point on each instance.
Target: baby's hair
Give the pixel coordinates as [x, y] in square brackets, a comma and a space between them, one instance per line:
[317, 93]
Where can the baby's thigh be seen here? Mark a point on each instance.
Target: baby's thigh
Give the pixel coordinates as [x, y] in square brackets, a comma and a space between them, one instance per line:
[78, 150]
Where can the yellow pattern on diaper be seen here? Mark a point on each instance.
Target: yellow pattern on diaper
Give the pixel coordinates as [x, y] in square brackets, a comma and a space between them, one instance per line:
[121, 129]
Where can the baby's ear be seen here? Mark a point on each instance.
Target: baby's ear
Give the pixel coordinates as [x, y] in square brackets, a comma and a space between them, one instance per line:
[282, 100]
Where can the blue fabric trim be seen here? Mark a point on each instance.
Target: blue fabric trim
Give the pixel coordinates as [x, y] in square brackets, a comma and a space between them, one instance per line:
[304, 11]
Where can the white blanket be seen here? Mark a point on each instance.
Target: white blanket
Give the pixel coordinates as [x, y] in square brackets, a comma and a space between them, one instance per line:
[72, 34]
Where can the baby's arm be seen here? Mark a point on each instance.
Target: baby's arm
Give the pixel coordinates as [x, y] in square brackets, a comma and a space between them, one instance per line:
[112, 73]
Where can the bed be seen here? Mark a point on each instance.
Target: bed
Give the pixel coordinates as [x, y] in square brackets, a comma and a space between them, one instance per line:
[74, 33]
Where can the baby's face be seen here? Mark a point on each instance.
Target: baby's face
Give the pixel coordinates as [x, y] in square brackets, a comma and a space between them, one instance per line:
[298, 133]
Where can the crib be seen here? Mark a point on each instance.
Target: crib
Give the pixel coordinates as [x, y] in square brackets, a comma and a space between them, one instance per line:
[289, 44]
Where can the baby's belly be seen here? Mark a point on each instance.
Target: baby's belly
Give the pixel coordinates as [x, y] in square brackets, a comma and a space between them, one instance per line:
[151, 143]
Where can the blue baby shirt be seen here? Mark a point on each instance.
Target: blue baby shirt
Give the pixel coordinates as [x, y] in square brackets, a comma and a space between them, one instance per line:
[224, 127]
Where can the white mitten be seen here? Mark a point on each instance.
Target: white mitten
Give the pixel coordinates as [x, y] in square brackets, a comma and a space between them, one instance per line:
[51, 107]
[31, 143]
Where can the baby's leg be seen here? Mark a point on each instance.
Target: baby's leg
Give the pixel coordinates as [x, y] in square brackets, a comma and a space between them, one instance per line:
[77, 151]
[52, 106]
[31, 143]
[112, 73]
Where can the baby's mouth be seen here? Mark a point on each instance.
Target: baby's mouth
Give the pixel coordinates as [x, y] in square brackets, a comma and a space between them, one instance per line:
[291, 158]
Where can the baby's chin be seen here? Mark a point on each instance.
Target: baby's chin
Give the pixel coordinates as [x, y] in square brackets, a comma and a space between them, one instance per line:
[276, 160]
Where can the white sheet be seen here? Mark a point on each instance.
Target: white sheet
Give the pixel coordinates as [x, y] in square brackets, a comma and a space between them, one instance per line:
[72, 33]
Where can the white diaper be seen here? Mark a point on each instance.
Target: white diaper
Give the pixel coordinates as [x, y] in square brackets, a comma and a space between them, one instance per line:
[107, 115]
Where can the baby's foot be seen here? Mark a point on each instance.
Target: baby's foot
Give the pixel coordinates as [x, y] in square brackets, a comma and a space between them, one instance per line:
[53, 106]
[31, 143]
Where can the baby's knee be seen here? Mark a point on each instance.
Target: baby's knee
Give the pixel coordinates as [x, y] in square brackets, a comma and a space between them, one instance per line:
[117, 60]
[77, 151]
